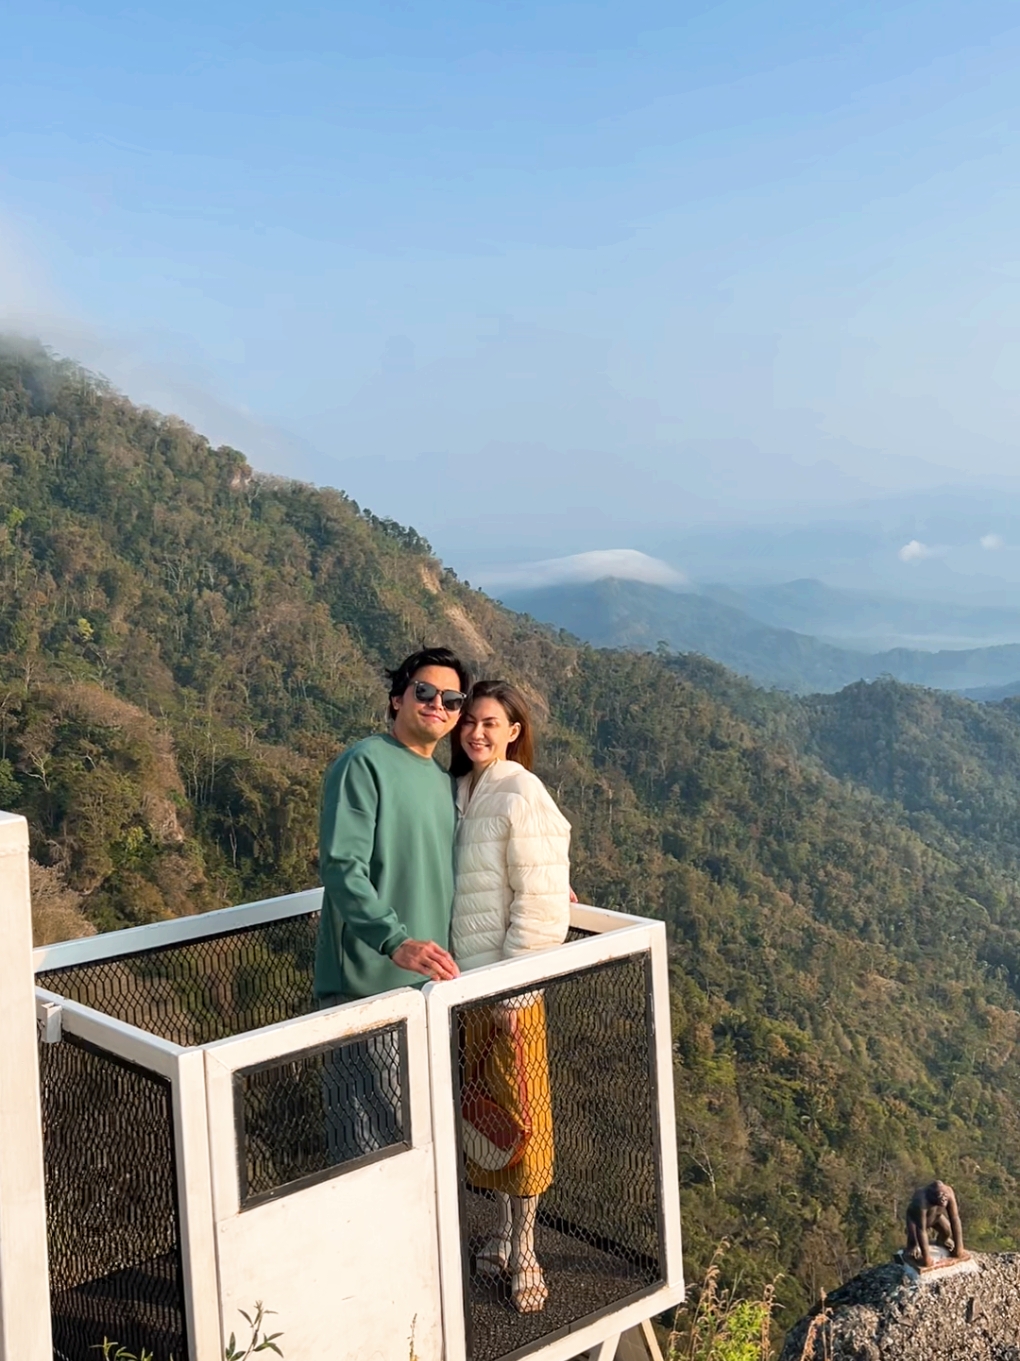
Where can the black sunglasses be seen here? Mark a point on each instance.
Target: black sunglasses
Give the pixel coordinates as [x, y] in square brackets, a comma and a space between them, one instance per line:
[451, 700]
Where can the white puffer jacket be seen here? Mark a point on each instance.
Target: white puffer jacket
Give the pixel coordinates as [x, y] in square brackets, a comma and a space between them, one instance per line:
[513, 867]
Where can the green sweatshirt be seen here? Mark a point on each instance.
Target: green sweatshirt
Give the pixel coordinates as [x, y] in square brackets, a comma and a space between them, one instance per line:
[386, 862]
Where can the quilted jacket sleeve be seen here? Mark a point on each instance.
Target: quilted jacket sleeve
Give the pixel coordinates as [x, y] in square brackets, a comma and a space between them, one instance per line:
[538, 865]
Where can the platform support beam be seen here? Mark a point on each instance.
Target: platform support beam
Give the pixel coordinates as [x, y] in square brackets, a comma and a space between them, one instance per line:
[639, 1344]
[605, 1350]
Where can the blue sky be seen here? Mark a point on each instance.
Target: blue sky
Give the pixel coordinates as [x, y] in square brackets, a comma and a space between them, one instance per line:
[535, 276]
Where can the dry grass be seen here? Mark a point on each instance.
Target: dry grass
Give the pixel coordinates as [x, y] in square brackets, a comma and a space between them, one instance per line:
[818, 1330]
[722, 1326]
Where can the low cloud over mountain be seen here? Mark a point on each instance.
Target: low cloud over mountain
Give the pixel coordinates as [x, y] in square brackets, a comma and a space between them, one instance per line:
[623, 564]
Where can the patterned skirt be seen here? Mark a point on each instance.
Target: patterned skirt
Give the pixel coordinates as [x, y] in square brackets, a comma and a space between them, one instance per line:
[506, 1103]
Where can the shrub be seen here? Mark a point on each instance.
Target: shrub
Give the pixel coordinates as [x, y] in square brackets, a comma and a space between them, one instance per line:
[720, 1326]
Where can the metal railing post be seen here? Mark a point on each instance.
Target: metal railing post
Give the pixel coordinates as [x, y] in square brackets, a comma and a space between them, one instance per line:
[25, 1333]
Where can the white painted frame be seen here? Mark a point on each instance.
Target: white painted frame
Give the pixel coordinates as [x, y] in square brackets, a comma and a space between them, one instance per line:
[244, 1234]
[619, 936]
[223, 1058]
[178, 931]
[182, 1068]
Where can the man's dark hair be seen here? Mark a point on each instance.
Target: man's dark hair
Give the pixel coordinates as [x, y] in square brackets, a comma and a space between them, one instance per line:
[401, 678]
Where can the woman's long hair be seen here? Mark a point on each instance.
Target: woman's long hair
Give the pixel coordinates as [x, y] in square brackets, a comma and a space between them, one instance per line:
[522, 748]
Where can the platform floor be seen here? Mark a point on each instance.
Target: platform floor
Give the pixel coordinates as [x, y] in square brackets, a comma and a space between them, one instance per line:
[135, 1307]
[583, 1279]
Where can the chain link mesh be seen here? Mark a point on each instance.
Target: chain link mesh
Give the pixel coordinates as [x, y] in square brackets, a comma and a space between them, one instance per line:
[301, 1118]
[207, 989]
[202, 990]
[111, 1204]
[560, 1192]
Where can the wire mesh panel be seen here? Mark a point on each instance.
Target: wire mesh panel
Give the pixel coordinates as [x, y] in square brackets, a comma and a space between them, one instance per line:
[302, 1118]
[111, 1204]
[561, 1212]
[206, 989]
[579, 933]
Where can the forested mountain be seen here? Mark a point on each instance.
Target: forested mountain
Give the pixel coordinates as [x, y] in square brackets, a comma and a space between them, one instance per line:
[641, 616]
[952, 765]
[185, 644]
[720, 625]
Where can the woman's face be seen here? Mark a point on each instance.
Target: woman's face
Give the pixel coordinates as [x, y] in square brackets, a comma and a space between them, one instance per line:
[486, 732]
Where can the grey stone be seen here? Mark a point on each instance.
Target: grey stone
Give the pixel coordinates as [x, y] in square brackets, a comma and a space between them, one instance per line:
[884, 1314]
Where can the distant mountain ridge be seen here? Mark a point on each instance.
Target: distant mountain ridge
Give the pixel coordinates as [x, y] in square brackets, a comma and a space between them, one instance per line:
[863, 619]
[639, 616]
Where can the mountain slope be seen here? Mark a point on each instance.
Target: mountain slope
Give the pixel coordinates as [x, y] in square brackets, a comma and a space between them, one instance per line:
[183, 647]
[634, 614]
[948, 762]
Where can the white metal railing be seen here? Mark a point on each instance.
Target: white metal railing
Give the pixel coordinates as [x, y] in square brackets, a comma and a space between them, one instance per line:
[390, 1222]
[619, 936]
[177, 931]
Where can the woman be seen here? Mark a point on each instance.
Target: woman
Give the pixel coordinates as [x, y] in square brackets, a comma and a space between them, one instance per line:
[512, 896]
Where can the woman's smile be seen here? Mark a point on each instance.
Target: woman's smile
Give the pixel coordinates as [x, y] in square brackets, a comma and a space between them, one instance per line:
[486, 731]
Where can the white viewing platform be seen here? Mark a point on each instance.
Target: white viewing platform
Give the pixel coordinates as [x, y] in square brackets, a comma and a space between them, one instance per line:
[190, 1169]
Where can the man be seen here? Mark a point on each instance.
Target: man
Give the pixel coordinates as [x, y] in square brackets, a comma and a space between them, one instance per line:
[386, 832]
[386, 842]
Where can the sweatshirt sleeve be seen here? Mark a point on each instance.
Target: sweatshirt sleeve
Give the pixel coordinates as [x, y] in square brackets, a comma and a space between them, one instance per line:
[350, 810]
[538, 865]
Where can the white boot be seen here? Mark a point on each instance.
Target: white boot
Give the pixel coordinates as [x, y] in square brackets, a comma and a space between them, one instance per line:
[493, 1257]
[528, 1290]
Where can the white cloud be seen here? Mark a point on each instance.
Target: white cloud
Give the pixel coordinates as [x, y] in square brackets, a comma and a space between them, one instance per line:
[915, 550]
[625, 563]
[992, 541]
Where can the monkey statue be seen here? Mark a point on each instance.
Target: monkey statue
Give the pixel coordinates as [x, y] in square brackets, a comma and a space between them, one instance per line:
[933, 1217]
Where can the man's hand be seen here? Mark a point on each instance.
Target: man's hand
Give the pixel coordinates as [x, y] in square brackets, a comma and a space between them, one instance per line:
[426, 957]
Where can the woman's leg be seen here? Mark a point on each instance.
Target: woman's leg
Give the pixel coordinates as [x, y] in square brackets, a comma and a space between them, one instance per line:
[528, 1290]
[493, 1257]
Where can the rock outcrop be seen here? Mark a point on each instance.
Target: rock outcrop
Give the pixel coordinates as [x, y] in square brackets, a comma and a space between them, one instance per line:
[885, 1315]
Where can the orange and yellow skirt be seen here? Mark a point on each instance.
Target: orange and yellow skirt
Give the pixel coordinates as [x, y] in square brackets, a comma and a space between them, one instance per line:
[506, 1100]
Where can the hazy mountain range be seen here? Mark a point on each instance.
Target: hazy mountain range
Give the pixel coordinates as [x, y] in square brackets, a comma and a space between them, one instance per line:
[801, 636]
[870, 621]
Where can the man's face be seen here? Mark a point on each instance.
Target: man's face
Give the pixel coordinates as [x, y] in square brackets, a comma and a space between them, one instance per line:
[423, 722]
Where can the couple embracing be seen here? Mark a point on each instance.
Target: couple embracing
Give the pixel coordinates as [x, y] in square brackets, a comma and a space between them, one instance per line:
[422, 881]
